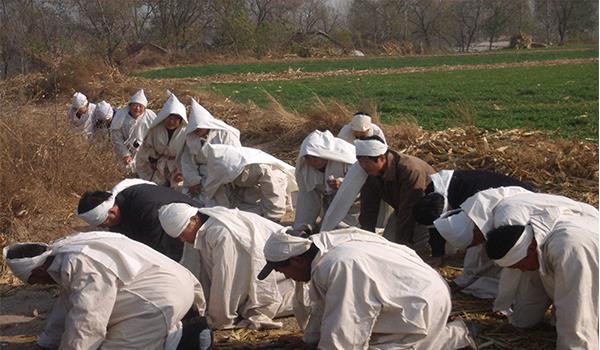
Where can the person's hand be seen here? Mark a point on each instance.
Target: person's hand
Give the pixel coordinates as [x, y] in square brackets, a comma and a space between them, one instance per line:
[334, 183]
[196, 189]
[127, 159]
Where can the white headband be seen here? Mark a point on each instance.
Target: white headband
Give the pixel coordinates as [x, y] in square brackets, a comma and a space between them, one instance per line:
[519, 250]
[175, 217]
[457, 229]
[22, 267]
[98, 215]
[370, 148]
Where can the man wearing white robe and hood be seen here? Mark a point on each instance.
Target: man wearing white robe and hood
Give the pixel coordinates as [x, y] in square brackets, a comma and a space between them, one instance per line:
[361, 126]
[517, 293]
[115, 293]
[129, 126]
[321, 166]
[102, 119]
[80, 114]
[367, 292]
[562, 247]
[202, 129]
[248, 179]
[230, 246]
[158, 157]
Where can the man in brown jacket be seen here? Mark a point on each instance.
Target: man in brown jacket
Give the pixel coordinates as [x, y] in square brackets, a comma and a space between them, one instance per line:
[399, 180]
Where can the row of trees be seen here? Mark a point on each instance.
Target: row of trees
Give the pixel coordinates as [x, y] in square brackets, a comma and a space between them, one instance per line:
[39, 33]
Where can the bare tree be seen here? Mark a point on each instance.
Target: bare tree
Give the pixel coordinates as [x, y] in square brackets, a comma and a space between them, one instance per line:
[178, 19]
[466, 15]
[498, 15]
[425, 14]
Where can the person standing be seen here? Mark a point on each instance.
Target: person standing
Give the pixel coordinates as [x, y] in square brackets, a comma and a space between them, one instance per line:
[128, 128]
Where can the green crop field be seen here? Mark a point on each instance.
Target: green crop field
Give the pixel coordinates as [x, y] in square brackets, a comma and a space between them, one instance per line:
[562, 98]
[372, 63]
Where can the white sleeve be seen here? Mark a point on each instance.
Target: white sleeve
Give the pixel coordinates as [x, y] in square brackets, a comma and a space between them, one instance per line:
[55, 326]
[308, 207]
[189, 168]
[348, 324]
[118, 141]
[92, 291]
[575, 298]
[223, 300]
[142, 161]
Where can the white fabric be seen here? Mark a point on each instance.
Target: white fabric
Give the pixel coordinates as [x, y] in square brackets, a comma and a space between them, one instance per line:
[346, 133]
[171, 106]
[84, 123]
[116, 293]
[22, 267]
[200, 118]
[370, 148]
[126, 131]
[281, 246]
[97, 215]
[441, 182]
[230, 244]
[175, 217]
[344, 198]
[314, 192]
[103, 112]
[479, 206]
[78, 100]
[361, 122]
[518, 251]
[226, 163]
[377, 312]
[159, 146]
[456, 228]
[139, 97]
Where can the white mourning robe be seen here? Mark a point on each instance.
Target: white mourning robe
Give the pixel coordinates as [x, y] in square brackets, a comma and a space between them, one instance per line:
[157, 145]
[125, 131]
[85, 122]
[346, 133]
[370, 293]
[230, 245]
[116, 293]
[523, 289]
[248, 179]
[314, 194]
[193, 160]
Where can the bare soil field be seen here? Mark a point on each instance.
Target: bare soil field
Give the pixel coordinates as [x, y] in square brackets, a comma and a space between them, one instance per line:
[46, 166]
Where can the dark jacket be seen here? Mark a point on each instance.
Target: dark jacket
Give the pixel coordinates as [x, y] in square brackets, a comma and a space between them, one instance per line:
[139, 206]
[401, 185]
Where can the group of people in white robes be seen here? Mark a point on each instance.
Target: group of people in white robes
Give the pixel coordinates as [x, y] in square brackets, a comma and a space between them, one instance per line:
[348, 286]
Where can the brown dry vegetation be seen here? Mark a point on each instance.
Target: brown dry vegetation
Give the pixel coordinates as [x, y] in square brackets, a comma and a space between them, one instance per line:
[45, 166]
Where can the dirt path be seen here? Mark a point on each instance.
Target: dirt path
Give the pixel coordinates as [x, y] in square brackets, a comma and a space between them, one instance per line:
[296, 74]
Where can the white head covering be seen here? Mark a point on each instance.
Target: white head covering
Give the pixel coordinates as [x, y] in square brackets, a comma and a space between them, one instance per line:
[22, 267]
[361, 122]
[200, 118]
[281, 246]
[519, 250]
[103, 112]
[370, 148]
[172, 106]
[441, 182]
[139, 97]
[175, 217]
[456, 228]
[96, 216]
[79, 100]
